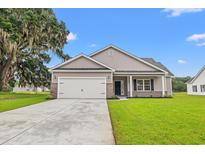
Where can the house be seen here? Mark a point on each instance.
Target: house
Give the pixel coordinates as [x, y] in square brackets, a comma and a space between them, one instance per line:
[196, 85]
[110, 72]
[29, 88]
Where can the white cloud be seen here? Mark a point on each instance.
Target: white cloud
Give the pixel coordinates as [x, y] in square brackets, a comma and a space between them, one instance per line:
[199, 38]
[196, 37]
[71, 36]
[178, 12]
[200, 44]
[92, 45]
[180, 61]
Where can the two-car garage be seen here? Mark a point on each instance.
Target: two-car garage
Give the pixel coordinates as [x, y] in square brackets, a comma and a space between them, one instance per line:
[81, 77]
[81, 87]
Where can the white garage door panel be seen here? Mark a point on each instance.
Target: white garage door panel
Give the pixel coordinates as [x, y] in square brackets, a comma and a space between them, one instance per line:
[82, 88]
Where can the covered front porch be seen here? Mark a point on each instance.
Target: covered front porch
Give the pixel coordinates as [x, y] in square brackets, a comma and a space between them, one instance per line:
[139, 85]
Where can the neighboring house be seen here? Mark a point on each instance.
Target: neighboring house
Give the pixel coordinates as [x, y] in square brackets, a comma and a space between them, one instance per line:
[196, 85]
[110, 72]
[29, 89]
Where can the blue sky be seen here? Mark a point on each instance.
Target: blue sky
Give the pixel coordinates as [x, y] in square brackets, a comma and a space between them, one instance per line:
[174, 37]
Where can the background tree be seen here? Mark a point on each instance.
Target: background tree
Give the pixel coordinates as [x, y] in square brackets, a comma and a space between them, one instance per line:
[179, 84]
[26, 36]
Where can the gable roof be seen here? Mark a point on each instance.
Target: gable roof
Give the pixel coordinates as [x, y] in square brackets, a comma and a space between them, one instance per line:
[148, 62]
[160, 65]
[75, 58]
[194, 78]
[189, 81]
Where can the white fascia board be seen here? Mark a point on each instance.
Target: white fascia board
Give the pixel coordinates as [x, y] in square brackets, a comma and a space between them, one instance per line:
[81, 71]
[196, 76]
[81, 55]
[140, 73]
[68, 61]
[65, 77]
[133, 56]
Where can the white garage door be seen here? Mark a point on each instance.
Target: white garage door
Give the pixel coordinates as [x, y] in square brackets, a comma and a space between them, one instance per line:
[81, 87]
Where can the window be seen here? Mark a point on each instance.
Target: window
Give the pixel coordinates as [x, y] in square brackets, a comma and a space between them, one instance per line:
[202, 88]
[140, 85]
[147, 85]
[194, 88]
[143, 85]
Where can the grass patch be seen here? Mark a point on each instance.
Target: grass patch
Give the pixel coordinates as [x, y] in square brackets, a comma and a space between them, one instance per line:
[177, 120]
[10, 100]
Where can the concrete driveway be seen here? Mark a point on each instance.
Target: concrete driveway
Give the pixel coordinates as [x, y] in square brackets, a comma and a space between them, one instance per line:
[60, 121]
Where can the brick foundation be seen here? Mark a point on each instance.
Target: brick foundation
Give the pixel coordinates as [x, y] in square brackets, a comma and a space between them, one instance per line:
[147, 94]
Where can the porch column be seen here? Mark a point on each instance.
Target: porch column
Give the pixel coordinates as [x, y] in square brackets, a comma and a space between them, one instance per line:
[171, 85]
[163, 88]
[130, 85]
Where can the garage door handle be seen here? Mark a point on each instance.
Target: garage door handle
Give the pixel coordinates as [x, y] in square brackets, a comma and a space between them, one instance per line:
[102, 83]
[61, 93]
[61, 82]
[102, 93]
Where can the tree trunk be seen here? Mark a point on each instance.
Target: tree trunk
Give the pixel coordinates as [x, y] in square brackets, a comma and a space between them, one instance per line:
[7, 71]
[9, 50]
[5, 74]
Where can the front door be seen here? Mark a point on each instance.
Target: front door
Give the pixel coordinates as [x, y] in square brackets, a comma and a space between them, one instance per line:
[117, 88]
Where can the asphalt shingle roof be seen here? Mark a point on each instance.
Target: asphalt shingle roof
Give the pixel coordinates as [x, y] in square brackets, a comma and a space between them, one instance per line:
[158, 64]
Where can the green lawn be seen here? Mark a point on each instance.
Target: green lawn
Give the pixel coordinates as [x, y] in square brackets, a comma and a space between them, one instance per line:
[177, 120]
[10, 100]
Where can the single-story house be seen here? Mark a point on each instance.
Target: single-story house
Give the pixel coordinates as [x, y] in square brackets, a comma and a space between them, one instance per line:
[110, 72]
[196, 85]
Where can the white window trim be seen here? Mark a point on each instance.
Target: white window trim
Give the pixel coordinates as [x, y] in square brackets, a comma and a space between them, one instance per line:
[149, 84]
[202, 88]
[195, 89]
[143, 87]
[137, 84]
